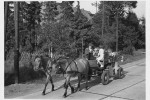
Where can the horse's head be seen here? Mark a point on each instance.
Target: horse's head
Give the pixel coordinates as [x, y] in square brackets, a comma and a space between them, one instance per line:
[59, 64]
[58, 68]
[37, 63]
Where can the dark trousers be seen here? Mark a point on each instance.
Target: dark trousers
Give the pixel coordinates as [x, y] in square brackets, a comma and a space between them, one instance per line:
[90, 56]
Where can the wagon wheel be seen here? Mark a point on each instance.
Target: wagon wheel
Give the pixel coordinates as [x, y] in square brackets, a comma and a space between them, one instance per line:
[105, 77]
[120, 73]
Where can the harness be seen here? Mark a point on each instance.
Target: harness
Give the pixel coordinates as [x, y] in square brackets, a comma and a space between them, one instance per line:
[64, 70]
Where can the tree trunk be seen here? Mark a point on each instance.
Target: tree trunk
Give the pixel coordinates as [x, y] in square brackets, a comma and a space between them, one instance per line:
[5, 25]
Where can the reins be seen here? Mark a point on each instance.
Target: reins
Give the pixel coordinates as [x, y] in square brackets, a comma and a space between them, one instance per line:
[64, 70]
[69, 65]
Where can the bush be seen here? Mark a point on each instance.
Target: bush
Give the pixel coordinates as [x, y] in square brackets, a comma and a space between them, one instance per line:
[128, 50]
[25, 68]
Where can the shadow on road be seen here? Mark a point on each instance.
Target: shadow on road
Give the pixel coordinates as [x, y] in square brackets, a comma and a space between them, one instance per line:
[93, 82]
[55, 89]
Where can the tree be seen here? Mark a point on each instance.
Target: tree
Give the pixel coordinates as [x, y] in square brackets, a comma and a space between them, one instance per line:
[10, 31]
[141, 36]
[50, 11]
[66, 27]
[80, 26]
[31, 19]
[113, 9]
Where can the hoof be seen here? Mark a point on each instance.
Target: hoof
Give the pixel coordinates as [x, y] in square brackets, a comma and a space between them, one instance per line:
[53, 89]
[64, 96]
[86, 88]
[72, 90]
[78, 89]
[43, 93]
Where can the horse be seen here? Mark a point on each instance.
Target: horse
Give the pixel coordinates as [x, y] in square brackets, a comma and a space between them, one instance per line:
[72, 68]
[46, 64]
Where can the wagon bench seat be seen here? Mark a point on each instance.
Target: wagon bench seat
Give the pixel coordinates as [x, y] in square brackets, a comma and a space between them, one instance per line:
[93, 63]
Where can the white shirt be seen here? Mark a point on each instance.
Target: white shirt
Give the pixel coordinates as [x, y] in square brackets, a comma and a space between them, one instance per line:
[101, 53]
[90, 50]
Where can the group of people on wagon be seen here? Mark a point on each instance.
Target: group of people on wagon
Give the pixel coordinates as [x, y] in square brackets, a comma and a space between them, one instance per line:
[98, 54]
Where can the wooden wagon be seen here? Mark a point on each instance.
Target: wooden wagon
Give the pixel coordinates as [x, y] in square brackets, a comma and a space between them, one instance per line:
[111, 68]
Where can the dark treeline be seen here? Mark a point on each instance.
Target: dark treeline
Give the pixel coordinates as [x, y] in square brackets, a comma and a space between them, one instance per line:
[60, 26]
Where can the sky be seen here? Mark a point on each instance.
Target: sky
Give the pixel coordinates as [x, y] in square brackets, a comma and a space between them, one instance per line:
[87, 5]
[140, 9]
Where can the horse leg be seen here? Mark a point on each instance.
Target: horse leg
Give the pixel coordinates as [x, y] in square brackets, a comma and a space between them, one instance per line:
[72, 89]
[79, 80]
[86, 82]
[46, 83]
[66, 85]
[51, 80]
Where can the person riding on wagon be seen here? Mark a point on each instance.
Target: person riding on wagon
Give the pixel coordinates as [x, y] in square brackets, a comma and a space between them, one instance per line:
[89, 51]
[100, 57]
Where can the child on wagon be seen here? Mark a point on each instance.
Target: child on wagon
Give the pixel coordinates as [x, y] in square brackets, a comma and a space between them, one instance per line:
[100, 58]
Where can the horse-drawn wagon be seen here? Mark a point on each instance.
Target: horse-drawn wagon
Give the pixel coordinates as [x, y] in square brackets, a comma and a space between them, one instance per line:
[78, 67]
[111, 68]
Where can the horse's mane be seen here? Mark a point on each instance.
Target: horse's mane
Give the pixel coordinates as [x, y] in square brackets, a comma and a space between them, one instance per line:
[37, 56]
[64, 60]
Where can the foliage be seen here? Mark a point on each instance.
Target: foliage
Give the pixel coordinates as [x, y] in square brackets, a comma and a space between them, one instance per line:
[31, 20]
[129, 28]
[66, 29]
[63, 28]
[10, 31]
[49, 11]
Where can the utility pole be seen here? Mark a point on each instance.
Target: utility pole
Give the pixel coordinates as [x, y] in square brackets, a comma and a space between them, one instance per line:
[117, 31]
[103, 19]
[5, 23]
[16, 52]
[96, 6]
